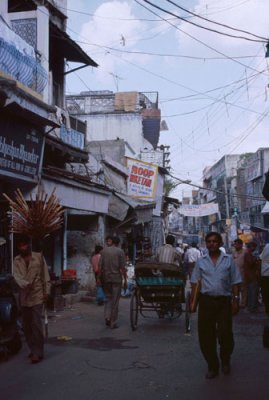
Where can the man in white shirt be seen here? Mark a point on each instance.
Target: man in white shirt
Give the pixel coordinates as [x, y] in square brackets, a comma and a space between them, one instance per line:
[192, 255]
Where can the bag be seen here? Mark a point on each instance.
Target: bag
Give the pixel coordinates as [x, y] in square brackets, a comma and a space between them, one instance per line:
[100, 295]
[195, 296]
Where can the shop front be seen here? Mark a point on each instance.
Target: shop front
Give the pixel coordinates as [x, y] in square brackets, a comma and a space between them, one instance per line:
[22, 131]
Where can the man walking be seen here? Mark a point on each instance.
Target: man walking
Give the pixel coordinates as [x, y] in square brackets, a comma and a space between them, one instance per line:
[191, 256]
[112, 271]
[251, 276]
[32, 277]
[219, 279]
[239, 254]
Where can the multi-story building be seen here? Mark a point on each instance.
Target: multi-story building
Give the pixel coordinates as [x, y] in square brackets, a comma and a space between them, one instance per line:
[218, 183]
[125, 128]
[132, 116]
[38, 137]
[253, 215]
[235, 182]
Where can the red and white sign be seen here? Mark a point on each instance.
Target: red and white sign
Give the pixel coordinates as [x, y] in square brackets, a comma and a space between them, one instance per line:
[142, 179]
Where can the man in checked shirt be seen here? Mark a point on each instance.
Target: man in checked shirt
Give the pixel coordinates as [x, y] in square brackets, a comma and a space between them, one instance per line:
[167, 253]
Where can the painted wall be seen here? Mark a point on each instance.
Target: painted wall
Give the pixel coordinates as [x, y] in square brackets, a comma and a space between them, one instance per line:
[80, 245]
[113, 126]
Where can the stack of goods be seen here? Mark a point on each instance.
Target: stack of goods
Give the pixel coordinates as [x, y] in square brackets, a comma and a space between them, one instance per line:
[69, 281]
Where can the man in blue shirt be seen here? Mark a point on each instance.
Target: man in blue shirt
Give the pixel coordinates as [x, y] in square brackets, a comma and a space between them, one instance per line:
[218, 301]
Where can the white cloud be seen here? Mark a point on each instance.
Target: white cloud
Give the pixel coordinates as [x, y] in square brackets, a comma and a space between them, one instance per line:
[113, 25]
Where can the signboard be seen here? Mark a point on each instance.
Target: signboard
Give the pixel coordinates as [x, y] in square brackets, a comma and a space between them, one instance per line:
[20, 149]
[142, 179]
[199, 210]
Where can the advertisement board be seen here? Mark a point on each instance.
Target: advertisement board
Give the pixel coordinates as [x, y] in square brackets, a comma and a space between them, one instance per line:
[142, 179]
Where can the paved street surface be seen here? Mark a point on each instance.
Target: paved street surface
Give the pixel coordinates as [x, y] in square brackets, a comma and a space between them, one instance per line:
[158, 361]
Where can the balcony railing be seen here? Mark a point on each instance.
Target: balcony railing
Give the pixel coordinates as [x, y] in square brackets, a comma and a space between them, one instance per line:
[18, 60]
[74, 133]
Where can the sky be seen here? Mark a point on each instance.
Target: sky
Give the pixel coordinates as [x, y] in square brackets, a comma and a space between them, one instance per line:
[212, 80]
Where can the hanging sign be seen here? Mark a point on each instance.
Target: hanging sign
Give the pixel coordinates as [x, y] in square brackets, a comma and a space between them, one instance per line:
[199, 210]
[142, 179]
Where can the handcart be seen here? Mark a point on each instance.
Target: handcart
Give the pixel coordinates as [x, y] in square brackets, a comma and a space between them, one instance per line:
[160, 288]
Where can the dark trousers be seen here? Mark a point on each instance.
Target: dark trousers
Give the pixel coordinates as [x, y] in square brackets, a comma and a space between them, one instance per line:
[33, 329]
[215, 325]
[265, 292]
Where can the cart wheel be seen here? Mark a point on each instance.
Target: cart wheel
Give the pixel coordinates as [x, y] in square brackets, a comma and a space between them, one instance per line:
[187, 313]
[134, 309]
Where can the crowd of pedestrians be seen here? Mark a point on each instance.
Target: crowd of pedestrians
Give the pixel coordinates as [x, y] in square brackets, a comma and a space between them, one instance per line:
[228, 281]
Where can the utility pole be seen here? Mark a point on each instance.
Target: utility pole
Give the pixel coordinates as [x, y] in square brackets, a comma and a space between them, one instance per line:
[165, 154]
[226, 198]
[228, 235]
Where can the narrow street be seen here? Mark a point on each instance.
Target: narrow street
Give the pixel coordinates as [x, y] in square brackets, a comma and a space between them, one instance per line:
[158, 361]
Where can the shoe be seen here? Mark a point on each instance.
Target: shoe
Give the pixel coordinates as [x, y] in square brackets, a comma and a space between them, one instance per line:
[35, 359]
[226, 369]
[211, 374]
[30, 355]
[107, 321]
[114, 326]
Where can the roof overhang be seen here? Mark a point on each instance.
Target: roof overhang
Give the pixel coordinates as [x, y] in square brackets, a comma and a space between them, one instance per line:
[14, 100]
[79, 155]
[25, 113]
[68, 48]
[265, 209]
[121, 203]
[73, 195]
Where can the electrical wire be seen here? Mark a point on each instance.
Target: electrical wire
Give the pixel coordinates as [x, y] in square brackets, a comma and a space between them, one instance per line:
[204, 27]
[188, 183]
[190, 97]
[216, 23]
[147, 53]
[183, 86]
[194, 38]
[199, 125]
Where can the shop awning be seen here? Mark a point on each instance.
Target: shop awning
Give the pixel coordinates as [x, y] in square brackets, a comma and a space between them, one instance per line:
[119, 204]
[68, 48]
[265, 209]
[117, 208]
[75, 196]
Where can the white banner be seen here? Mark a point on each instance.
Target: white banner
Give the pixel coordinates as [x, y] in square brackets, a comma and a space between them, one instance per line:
[199, 210]
[142, 179]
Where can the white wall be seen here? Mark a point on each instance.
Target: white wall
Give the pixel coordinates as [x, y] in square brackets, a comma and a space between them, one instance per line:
[113, 126]
[3, 8]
